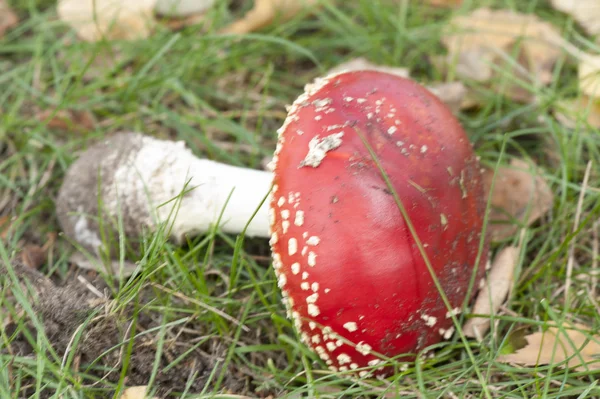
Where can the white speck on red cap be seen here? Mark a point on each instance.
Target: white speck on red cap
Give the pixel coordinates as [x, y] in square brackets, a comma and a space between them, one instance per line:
[296, 268]
[343, 358]
[363, 348]
[312, 298]
[312, 259]
[313, 310]
[299, 219]
[292, 246]
[313, 240]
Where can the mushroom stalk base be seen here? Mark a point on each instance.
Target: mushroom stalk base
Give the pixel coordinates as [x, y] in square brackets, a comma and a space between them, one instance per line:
[143, 182]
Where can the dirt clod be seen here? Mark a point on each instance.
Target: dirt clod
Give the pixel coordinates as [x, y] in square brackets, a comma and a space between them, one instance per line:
[84, 324]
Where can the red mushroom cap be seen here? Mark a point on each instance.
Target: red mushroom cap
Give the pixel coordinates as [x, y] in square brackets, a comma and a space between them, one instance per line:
[350, 271]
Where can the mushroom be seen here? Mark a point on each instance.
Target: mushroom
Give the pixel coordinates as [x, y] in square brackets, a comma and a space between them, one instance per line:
[141, 179]
[351, 272]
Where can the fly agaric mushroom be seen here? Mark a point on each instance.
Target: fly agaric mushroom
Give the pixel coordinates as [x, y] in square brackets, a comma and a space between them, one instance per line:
[352, 275]
[139, 177]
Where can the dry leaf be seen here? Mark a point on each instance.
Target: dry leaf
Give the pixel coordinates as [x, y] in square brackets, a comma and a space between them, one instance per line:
[360, 64]
[266, 11]
[491, 296]
[444, 3]
[589, 75]
[519, 193]
[136, 393]
[486, 38]
[552, 347]
[453, 94]
[95, 264]
[585, 12]
[34, 256]
[182, 8]
[101, 61]
[71, 120]
[8, 18]
[5, 225]
[569, 112]
[178, 23]
[111, 19]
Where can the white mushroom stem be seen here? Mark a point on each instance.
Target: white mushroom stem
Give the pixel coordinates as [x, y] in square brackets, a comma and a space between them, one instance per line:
[162, 170]
[145, 182]
[234, 191]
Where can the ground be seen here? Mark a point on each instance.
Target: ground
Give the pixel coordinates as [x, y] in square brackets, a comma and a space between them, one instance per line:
[73, 333]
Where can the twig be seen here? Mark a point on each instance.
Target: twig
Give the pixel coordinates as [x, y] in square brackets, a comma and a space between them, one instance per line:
[595, 270]
[202, 305]
[69, 345]
[90, 287]
[571, 260]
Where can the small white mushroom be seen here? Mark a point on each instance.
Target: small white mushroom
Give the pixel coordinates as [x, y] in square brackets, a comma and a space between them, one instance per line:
[147, 181]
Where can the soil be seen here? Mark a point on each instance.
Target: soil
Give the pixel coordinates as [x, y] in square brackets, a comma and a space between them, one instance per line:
[79, 306]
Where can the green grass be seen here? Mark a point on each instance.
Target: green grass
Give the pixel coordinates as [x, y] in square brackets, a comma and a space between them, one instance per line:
[225, 97]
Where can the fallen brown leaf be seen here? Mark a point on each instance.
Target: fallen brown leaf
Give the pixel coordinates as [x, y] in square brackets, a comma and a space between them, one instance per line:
[265, 12]
[486, 38]
[519, 193]
[589, 75]
[136, 393]
[71, 120]
[585, 12]
[34, 256]
[178, 23]
[100, 61]
[570, 112]
[8, 18]
[182, 8]
[110, 19]
[444, 3]
[453, 94]
[4, 226]
[361, 64]
[97, 265]
[552, 347]
[494, 291]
